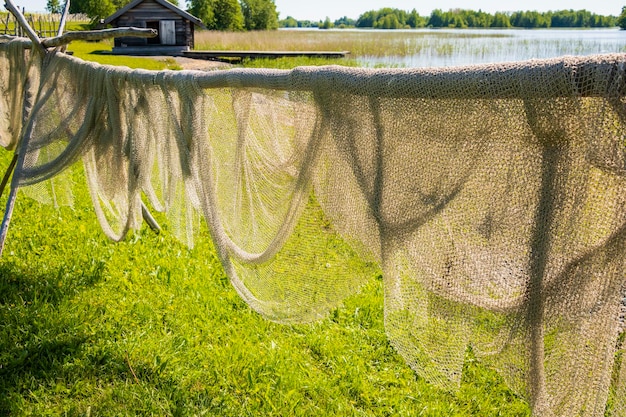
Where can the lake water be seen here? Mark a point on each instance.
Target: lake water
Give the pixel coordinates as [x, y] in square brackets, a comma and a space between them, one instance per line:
[448, 47]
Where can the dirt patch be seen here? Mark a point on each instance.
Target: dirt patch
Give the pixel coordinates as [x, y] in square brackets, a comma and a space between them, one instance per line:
[194, 64]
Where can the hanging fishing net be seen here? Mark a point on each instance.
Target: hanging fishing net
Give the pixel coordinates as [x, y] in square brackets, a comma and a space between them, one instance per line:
[493, 197]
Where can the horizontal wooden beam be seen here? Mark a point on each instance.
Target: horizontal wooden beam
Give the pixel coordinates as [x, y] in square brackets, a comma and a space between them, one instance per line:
[97, 35]
[568, 76]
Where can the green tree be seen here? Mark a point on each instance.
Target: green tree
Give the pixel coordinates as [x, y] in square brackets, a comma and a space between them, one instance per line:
[621, 20]
[54, 6]
[228, 15]
[414, 20]
[367, 19]
[531, 19]
[96, 9]
[388, 21]
[477, 19]
[344, 22]
[599, 21]
[436, 19]
[259, 14]
[288, 22]
[203, 10]
[387, 18]
[327, 24]
[218, 14]
[501, 20]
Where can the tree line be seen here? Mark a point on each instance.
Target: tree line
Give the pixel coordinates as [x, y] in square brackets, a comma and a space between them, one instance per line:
[233, 15]
[390, 18]
[621, 20]
[461, 18]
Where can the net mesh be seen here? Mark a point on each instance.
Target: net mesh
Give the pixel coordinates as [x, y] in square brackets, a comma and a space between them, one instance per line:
[491, 196]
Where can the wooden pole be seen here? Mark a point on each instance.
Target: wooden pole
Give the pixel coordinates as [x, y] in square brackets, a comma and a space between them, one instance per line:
[8, 213]
[151, 221]
[8, 173]
[61, 29]
[66, 11]
[4, 228]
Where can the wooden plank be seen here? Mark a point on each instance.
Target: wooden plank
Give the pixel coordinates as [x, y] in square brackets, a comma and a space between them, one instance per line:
[148, 50]
[217, 55]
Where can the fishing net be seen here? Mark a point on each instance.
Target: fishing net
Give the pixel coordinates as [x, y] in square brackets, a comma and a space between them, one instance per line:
[15, 92]
[493, 197]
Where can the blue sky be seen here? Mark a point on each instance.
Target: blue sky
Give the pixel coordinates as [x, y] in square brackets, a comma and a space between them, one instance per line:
[320, 9]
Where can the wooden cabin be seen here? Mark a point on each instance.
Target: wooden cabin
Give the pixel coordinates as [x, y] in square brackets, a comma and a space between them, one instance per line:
[174, 25]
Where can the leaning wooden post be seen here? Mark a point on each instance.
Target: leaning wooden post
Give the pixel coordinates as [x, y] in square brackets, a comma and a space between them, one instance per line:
[40, 50]
[66, 11]
[8, 173]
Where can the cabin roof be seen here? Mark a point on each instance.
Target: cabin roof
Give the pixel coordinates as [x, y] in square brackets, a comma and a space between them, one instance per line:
[163, 3]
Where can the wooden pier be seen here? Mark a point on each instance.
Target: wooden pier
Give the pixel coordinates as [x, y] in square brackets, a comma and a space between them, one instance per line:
[236, 56]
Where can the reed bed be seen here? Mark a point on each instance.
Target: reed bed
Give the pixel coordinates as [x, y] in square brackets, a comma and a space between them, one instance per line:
[358, 42]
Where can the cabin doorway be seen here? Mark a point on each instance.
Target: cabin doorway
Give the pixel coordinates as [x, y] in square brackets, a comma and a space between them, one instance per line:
[166, 30]
[154, 25]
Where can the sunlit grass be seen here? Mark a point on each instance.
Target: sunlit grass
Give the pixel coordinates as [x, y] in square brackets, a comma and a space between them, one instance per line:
[150, 327]
[100, 52]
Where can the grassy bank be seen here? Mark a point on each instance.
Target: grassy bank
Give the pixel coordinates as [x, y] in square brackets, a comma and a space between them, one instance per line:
[150, 327]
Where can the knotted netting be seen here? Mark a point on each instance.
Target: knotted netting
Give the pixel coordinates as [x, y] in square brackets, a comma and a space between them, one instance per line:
[491, 196]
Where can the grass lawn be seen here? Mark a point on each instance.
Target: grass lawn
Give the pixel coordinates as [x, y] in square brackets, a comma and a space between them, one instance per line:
[150, 327]
[101, 52]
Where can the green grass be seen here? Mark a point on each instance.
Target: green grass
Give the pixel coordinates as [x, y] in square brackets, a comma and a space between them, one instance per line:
[100, 52]
[150, 327]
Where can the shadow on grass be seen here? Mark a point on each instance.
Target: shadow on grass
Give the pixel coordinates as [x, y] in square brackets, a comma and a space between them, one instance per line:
[101, 52]
[39, 332]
